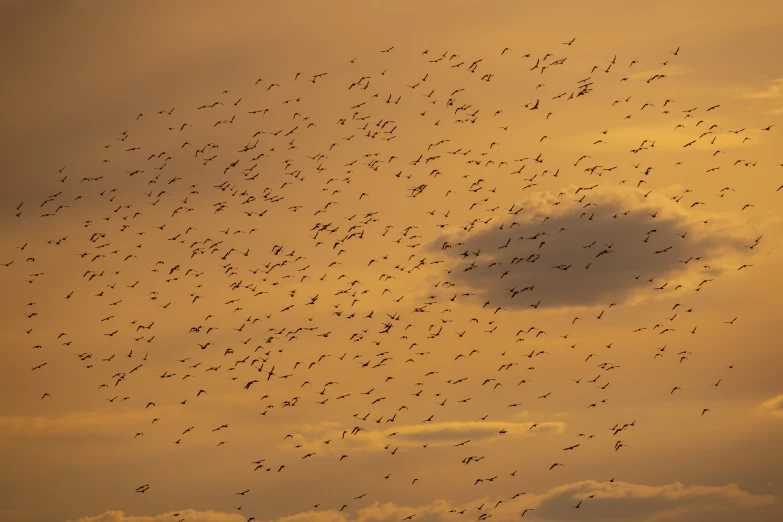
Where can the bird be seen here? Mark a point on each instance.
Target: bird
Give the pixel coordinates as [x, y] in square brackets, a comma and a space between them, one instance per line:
[372, 241]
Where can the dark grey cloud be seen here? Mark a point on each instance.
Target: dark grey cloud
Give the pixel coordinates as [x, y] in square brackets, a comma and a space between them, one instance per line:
[616, 238]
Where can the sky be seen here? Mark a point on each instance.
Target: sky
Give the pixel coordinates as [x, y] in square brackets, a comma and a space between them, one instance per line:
[385, 261]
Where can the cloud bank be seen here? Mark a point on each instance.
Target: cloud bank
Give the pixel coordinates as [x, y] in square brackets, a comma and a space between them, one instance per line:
[611, 501]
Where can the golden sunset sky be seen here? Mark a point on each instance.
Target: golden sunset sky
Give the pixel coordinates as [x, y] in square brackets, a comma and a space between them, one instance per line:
[273, 261]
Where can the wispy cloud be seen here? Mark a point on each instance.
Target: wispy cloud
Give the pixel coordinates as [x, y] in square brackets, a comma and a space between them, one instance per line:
[626, 501]
[86, 423]
[83, 424]
[773, 89]
[434, 434]
[187, 514]
[773, 406]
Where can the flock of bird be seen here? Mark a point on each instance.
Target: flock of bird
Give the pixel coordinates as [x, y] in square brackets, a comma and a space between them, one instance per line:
[359, 253]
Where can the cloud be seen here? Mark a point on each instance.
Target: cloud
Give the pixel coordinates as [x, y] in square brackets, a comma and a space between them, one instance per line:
[114, 421]
[612, 243]
[626, 501]
[617, 501]
[189, 515]
[376, 513]
[774, 406]
[433, 434]
[773, 90]
[72, 424]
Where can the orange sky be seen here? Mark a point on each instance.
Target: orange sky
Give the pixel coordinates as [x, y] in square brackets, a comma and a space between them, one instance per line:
[432, 304]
